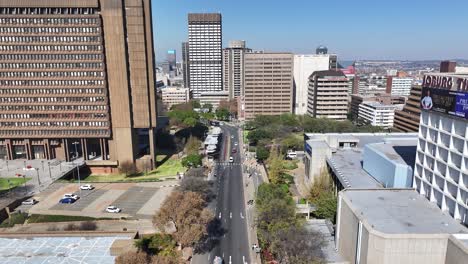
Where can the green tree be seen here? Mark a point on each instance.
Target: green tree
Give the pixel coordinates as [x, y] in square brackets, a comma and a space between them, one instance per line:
[192, 145]
[195, 104]
[275, 167]
[190, 122]
[208, 106]
[292, 141]
[258, 134]
[192, 160]
[222, 114]
[326, 204]
[262, 153]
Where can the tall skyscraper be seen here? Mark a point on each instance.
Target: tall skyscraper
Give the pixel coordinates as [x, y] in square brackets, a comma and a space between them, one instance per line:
[172, 59]
[205, 53]
[407, 119]
[76, 74]
[268, 83]
[185, 64]
[328, 95]
[233, 68]
[304, 66]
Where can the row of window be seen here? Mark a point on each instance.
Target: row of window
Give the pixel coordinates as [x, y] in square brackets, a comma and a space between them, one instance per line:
[53, 91]
[49, 21]
[36, 108]
[30, 132]
[52, 74]
[47, 11]
[51, 83]
[77, 65]
[51, 57]
[39, 30]
[59, 124]
[62, 39]
[50, 99]
[50, 47]
[52, 116]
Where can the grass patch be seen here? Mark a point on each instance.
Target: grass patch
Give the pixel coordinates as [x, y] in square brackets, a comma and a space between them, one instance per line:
[61, 218]
[290, 164]
[170, 167]
[15, 218]
[13, 182]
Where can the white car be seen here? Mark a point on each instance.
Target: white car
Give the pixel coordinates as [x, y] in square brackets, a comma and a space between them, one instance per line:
[235, 144]
[86, 187]
[29, 202]
[113, 209]
[231, 159]
[71, 195]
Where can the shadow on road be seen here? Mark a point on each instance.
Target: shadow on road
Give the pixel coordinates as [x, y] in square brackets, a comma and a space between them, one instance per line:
[210, 241]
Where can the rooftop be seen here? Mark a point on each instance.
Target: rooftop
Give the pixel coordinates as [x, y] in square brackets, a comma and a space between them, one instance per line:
[400, 211]
[403, 151]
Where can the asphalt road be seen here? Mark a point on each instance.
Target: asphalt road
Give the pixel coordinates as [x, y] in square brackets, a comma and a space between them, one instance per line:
[229, 206]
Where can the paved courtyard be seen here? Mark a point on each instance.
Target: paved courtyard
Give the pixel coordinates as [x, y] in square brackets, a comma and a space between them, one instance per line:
[137, 200]
[57, 250]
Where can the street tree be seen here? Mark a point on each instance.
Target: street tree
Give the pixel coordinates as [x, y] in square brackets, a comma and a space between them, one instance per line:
[192, 160]
[198, 185]
[186, 213]
[222, 113]
[275, 166]
[257, 135]
[262, 153]
[192, 145]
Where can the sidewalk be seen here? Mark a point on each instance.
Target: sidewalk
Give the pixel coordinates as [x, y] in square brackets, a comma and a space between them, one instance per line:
[249, 194]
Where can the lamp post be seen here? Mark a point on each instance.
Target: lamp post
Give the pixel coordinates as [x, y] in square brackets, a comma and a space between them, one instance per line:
[78, 165]
[50, 173]
[37, 173]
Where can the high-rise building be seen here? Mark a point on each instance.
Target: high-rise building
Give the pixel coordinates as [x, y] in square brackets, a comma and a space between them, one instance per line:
[233, 68]
[304, 66]
[185, 64]
[76, 74]
[407, 119]
[268, 84]
[441, 170]
[328, 95]
[172, 59]
[399, 85]
[205, 53]
[448, 66]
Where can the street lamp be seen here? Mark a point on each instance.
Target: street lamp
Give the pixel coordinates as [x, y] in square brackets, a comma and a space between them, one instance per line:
[78, 165]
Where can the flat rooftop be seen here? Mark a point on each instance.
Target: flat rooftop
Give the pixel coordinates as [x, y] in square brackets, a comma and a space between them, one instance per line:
[402, 151]
[400, 211]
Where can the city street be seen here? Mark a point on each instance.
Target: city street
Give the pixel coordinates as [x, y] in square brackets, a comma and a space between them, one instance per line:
[230, 205]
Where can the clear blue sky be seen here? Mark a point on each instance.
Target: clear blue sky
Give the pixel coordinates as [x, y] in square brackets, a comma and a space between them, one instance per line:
[358, 29]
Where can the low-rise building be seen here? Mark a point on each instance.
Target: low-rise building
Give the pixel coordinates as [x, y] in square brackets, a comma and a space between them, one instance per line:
[384, 98]
[377, 114]
[399, 85]
[174, 95]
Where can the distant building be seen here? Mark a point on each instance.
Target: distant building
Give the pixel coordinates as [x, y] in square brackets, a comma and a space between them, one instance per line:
[213, 98]
[304, 66]
[353, 82]
[174, 95]
[448, 66]
[377, 114]
[172, 59]
[328, 95]
[441, 170]
[385, 99]
[396, 226]
[268, 83]
[205, 53]
[185, 64]
[407, 119]
[233, 68]
[399, 85]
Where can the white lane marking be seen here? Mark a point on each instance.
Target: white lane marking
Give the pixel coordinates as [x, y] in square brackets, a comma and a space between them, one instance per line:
[230, 215]
[241, 216]
[223, 254]
[230, 262]
[243, 260]
[219, 215]
[209, 256]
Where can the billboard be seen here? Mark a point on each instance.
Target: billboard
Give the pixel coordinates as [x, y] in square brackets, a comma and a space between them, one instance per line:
[450, 102]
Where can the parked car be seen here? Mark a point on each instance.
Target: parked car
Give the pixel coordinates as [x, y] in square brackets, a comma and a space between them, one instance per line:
[291, 155]
[86, 187]
[29, 202]
[68, 200]
[113, 209]
[218, 260]
[234, 150]
[235, 144]
[71, 195]
[231, 159]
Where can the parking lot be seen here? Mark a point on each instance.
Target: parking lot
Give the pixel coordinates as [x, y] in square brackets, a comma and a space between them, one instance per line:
[137, 200]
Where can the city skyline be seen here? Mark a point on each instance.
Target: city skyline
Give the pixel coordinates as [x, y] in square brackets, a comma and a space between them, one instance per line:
[401, 31]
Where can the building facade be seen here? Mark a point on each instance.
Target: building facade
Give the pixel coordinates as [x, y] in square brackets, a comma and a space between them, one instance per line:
[185, 64]
[174, 95]
[441, 171]
[69, 77]
[268, 84]
[399, 85]
[328, 95]
[304, 66]
[205, 53]
[377, 114]
[386, 99]
[407, 119]
[233, 68]
[172, 59]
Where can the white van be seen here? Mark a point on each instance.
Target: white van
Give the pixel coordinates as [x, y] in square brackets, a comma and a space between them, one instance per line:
[291, 155]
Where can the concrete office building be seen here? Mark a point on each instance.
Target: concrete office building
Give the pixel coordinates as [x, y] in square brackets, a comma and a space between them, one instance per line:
[268, 84]
[396, 226]
[304, 66]
[407, 119]
[76, 72]
[214, 98]
[384, 98]
[377, 114]
[399, 85]
[205, 53]
[328, 95]
[233, 68]
[174, 95]
[171, 57]
[441, 171]
[185, 64]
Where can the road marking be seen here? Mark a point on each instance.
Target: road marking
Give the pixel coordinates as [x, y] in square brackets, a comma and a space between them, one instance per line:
[243, 260]
[219, 215]
[230, 215]
[242, 216]
[223, 254]
[230, 262]
[209, 256]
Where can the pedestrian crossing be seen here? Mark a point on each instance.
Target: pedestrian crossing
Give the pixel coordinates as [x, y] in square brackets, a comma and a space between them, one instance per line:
[228, 163]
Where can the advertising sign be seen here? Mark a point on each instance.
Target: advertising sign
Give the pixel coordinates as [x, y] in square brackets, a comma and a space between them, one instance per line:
[450, 102]
[308, 149]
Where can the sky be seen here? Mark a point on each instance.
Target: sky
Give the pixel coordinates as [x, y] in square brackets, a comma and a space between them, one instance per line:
[354, 30]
